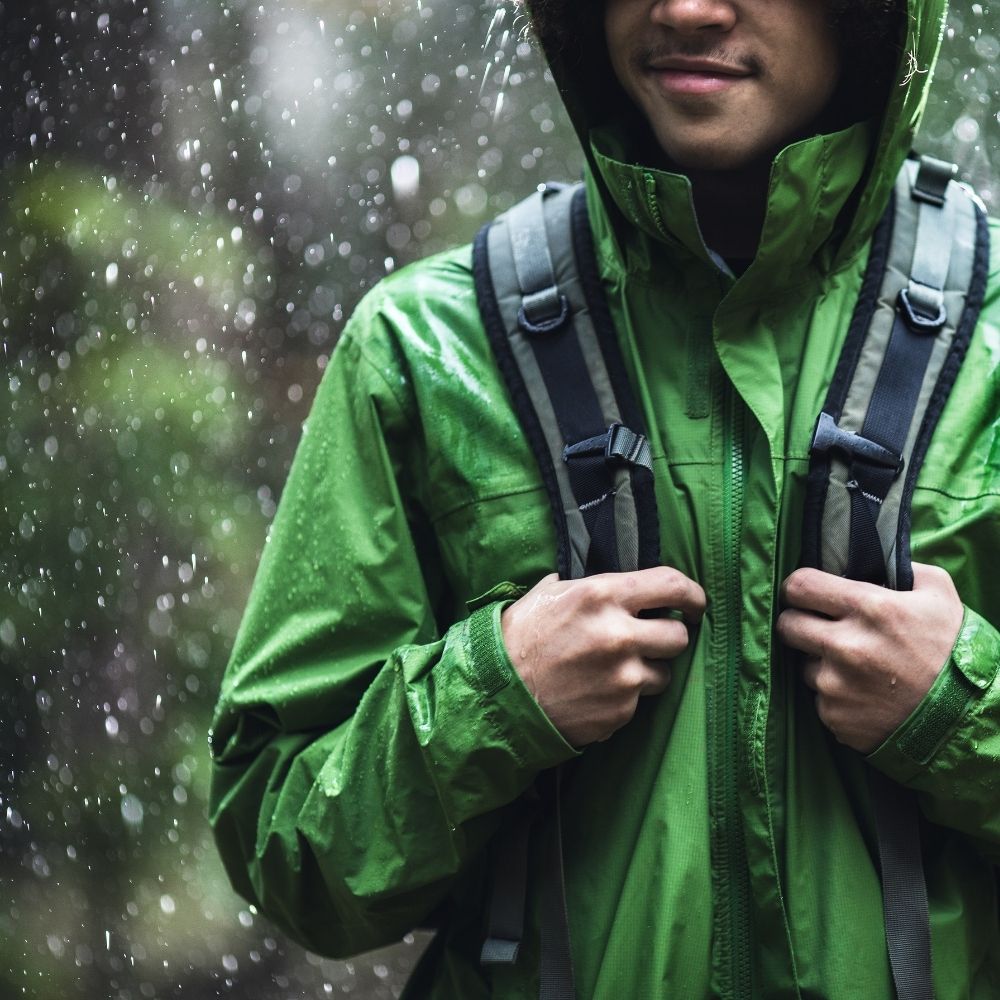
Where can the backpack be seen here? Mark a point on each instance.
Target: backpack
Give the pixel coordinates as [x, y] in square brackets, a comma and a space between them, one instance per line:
[548, 323]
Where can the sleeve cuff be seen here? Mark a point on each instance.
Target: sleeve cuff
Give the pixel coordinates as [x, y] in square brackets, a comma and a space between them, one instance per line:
[513, 709]
[969, 673]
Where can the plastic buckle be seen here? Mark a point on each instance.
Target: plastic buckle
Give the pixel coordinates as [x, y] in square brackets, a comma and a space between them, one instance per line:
[617, 445]
[625, 445]
[916, 318]
[829, 437]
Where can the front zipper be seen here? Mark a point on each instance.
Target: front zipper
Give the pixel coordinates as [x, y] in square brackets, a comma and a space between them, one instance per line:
[733, 902]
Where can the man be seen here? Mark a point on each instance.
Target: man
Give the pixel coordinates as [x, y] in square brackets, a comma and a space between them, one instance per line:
[408, 665]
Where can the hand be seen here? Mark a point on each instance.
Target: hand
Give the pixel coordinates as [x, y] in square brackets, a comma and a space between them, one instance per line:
[584, 653]
[872, 653]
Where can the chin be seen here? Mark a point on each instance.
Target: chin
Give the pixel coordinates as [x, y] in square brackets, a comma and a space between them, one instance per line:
[712, 154]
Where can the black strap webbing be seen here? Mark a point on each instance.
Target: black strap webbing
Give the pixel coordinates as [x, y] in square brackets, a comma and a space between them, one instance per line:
[904, 888]
[556, 967]
[505, 928]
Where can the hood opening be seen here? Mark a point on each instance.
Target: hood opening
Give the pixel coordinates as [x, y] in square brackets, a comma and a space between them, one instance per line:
[889, 48]
[571, 33]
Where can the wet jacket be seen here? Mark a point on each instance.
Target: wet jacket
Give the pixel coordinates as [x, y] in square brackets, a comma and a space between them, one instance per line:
[372, 737]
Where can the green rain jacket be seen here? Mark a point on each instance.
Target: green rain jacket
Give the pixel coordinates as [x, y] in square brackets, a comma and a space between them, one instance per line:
[372, 736]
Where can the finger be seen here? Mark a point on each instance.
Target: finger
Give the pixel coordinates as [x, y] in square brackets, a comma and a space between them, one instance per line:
[810, 672]
[660, 638]
[805, 632]
[833, 596]
[659, 587]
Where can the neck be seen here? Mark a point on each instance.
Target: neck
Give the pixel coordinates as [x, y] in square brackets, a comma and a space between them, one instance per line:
[730, 206]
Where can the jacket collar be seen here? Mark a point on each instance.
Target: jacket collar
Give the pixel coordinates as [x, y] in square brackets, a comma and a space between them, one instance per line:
[811, 184]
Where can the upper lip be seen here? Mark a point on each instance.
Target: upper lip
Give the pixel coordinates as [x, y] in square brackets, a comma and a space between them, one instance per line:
[693, 64]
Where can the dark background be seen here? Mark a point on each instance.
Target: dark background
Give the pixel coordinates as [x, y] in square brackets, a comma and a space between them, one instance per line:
[194, 195]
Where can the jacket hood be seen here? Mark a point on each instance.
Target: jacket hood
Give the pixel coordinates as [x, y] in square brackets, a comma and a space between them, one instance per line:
[828, 191]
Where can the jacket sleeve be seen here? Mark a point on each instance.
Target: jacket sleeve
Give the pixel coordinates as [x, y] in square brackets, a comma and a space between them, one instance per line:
[361, 752]
[948, 750]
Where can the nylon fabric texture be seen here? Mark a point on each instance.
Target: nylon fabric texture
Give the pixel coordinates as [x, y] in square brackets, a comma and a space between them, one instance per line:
[372, 735]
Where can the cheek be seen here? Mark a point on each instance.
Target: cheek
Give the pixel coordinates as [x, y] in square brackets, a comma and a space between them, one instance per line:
[816, 72]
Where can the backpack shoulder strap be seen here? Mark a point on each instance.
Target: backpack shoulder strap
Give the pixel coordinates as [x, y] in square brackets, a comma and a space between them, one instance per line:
[920, 300]
[548, 323]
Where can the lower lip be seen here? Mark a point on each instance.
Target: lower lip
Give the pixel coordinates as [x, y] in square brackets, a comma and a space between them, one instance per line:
[676, 81]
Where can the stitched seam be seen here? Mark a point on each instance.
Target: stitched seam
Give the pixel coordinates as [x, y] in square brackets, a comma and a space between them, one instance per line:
[988, 495]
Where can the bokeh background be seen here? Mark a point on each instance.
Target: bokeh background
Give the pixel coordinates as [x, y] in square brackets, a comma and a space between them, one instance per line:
[194, 195]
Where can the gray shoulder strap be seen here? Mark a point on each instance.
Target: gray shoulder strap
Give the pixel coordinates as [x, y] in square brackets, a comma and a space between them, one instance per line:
[548, 323]
[906, 343]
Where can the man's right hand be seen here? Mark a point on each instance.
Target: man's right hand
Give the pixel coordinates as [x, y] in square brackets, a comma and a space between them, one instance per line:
[585, 654]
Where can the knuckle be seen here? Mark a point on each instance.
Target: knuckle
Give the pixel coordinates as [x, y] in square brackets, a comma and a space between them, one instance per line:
[829, 683]
[875, 605]
[618, 640]
[599, 589]
[862, 656]
[631, 676]
[795, 586]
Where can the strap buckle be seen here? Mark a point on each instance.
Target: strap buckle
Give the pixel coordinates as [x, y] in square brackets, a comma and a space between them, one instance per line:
[829, 437]
[618, 445]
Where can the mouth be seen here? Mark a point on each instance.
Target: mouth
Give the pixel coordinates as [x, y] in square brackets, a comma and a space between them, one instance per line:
[688, 76]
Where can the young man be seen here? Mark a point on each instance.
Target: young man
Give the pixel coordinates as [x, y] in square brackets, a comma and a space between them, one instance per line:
[409, 666]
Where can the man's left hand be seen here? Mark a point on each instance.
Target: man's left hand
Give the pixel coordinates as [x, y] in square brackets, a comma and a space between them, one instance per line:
[872, 654]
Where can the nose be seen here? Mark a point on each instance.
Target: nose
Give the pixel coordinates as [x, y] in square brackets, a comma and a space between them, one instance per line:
[687, 16]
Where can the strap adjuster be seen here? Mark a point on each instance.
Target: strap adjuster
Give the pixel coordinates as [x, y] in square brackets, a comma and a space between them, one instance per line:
[829, 437]
[624, 445]
[618, 445]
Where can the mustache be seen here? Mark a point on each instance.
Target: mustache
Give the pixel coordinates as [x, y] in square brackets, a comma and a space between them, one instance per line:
[742, 62]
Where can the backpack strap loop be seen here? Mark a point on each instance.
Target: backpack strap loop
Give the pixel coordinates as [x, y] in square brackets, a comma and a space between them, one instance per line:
[932, 180]
[922, 308]
[543, 312]
[544, 308]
